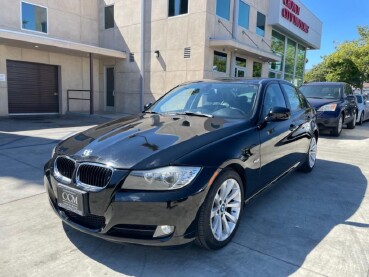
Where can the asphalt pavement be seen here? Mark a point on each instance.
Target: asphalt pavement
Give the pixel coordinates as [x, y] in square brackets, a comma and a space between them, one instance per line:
[313, 224]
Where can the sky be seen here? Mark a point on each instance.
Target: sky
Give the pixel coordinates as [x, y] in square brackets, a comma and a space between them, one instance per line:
[340, 19]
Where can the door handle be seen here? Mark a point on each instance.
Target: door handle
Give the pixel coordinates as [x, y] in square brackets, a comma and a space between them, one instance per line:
[113, 93]
[55, 93]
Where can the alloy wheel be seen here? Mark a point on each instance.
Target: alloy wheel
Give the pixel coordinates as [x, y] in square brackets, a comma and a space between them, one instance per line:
[226, 209]
[312, 152]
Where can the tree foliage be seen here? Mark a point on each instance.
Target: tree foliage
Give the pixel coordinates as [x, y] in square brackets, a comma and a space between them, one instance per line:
[349, 63]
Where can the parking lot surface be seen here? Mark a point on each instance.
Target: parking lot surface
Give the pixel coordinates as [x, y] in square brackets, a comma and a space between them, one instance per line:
[313, 224]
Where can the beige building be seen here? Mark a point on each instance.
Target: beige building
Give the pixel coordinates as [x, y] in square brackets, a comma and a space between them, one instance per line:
[53, 52]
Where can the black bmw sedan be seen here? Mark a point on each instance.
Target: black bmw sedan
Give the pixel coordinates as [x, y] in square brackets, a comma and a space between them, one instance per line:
[183, 169]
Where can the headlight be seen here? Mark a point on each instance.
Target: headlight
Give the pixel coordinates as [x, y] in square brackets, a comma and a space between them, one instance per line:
[328, 108]
[166, 178]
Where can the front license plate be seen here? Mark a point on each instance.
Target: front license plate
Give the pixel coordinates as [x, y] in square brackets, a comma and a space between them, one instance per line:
[71, 199]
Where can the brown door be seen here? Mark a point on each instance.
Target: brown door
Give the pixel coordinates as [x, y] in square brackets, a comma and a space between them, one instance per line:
[32, 88]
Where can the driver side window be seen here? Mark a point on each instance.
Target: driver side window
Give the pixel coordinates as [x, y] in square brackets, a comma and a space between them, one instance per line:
[273, 98]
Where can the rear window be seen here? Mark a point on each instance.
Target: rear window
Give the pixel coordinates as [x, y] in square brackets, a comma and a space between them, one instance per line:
[322, 91]
[359, 98]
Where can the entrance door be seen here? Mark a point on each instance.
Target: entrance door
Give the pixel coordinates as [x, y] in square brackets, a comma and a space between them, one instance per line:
[240, 72]
[109, 88]
[240, 68]
[33, 88]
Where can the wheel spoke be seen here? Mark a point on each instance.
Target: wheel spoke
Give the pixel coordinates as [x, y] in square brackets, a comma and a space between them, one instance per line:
[226, 226]
[219, 229]
[231, 217]
[213, 212]
[234, 204]
[230, 185]
[232, 195]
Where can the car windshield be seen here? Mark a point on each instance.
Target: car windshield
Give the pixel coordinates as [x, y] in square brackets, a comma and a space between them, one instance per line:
[322, 91]
[359, 99]
[226, 100]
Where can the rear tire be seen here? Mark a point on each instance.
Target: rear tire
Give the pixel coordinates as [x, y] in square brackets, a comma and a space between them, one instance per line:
[352, 124]
[220, 214]
[338, 129]
[309, 163]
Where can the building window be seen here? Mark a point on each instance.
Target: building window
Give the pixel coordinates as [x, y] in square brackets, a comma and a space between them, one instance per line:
[256, 69]
[223, 8]
[260, 24]
[109, 17]
[278, 42]
[177, 7]
[220, 62]
[243, 15]
[290, 61]
[34, 18]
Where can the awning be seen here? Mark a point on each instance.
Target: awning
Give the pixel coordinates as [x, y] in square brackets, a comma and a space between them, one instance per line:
[243, 48]
[20, 39]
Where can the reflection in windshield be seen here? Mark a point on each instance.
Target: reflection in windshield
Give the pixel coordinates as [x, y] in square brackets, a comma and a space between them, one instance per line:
[230, 100]
[322, 91]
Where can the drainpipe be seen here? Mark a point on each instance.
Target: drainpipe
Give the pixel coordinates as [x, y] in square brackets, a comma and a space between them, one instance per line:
[142, 85]
[234, 36]
[91, 84]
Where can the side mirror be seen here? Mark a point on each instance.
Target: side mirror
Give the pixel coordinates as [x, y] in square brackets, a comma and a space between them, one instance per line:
[147, 106]
[278, 114]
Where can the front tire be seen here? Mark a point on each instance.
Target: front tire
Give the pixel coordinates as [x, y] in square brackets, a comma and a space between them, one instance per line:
[220, 213]
[309, 163]
[338, 129]
[352, 124]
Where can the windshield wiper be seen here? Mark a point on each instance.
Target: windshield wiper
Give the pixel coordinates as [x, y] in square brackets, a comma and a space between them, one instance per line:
[195, 114]
[315, 97]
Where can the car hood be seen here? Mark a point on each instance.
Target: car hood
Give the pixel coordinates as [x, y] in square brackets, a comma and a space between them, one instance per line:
[146, 141]
[317, 103]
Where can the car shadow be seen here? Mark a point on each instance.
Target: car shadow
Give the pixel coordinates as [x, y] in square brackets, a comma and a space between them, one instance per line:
[277, 232]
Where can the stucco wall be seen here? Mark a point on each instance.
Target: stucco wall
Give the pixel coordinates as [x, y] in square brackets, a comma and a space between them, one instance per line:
[75, 74]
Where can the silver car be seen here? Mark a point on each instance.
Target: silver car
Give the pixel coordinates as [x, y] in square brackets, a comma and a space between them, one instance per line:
[363, 108]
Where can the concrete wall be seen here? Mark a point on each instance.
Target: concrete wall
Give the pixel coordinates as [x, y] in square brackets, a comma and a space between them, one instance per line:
[75, 74]
[168, 35]
[74, 20]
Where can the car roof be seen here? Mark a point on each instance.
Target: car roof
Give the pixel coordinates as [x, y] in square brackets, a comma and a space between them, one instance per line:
[254, 81]
[323, 83]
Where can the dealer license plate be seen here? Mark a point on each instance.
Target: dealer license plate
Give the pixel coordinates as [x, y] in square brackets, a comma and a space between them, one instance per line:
[71, 199]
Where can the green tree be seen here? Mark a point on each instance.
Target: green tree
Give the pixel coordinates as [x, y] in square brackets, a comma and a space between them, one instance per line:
[349, 63]
[317, 74]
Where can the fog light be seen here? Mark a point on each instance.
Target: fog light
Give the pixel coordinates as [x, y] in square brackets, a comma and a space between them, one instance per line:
[163, 230]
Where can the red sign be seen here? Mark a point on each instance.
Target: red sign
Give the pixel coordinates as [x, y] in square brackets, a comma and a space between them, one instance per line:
[291, 12]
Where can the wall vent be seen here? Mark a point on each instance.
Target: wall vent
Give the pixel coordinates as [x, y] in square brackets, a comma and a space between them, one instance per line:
[187, 53]
[131, 57]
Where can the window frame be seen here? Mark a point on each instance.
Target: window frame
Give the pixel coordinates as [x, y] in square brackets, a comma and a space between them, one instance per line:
[256, 25]
[47, 18]
[107, 6]
[229, 10]
[182, 14]
[261, 116]
[225, 55]
[239, 13]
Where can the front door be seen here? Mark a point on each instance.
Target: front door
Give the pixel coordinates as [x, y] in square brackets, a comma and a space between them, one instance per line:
[109, 88]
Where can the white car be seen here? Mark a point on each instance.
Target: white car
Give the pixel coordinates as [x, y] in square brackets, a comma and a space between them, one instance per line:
[363, 108]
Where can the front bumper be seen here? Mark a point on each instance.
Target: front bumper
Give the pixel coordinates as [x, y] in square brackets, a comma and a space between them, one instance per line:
[327, 120]
[132, 216]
